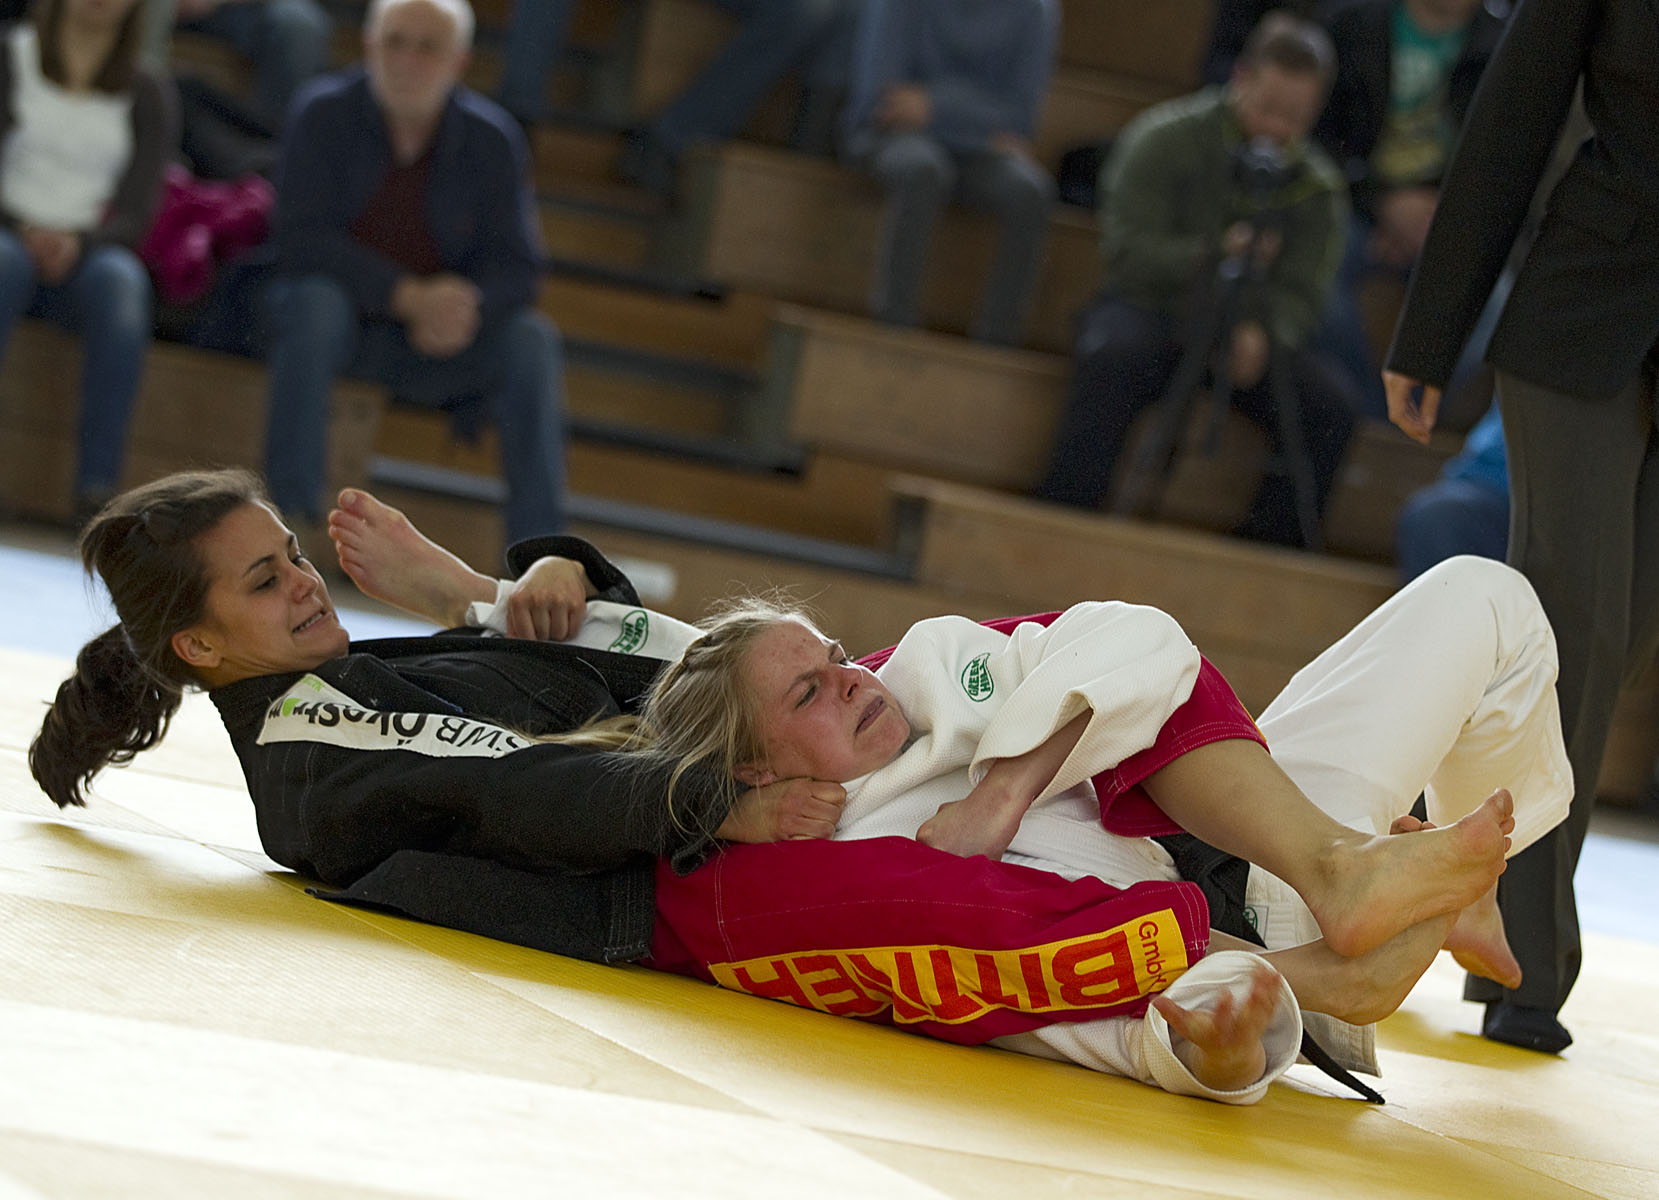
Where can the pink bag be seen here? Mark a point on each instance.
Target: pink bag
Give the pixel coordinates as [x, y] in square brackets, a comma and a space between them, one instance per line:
[199, 223]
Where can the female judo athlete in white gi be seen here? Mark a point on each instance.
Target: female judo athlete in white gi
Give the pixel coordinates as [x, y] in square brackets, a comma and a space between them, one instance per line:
[980, 741]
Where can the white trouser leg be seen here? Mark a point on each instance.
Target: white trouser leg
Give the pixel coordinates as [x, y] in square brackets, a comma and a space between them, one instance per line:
[1449, 689]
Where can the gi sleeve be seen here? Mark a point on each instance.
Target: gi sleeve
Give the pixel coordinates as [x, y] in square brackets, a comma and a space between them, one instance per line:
[346, 785]
[1129, 666]
[1144, 1047]
[605, 575]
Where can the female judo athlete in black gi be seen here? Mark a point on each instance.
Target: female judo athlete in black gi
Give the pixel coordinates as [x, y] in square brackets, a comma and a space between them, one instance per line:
[412, 774]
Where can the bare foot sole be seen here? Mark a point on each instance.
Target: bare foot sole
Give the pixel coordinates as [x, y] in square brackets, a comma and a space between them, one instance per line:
[1384, 885]
[1478, 943]
[1364, 988]
[389, 559]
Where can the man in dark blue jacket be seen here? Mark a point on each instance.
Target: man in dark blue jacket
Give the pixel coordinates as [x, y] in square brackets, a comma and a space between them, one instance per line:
[408, 254]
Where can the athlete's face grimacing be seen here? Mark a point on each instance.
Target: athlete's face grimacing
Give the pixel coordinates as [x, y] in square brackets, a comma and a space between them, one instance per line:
[267, 611]
[821, 716]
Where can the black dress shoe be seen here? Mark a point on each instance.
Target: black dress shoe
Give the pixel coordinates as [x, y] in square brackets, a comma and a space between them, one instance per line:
[1529, 1028]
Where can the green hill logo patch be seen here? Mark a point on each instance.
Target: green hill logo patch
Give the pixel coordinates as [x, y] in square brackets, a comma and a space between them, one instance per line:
[976, 679]
[636, 627]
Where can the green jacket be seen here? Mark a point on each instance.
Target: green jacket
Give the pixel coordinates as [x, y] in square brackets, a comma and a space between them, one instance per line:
[1168, 193]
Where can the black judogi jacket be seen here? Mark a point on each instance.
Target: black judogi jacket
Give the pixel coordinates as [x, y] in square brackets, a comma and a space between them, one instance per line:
[404, 773]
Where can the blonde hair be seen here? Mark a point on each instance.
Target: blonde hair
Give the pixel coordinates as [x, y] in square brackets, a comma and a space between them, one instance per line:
[700, 711]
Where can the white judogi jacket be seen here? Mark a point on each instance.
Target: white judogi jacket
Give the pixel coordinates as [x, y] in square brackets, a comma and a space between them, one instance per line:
[973, 695]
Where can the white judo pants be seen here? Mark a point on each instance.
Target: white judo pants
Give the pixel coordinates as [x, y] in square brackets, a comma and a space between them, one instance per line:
[1448, 690]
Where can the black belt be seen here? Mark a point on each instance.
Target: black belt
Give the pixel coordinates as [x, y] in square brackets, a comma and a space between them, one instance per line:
[1222, 878]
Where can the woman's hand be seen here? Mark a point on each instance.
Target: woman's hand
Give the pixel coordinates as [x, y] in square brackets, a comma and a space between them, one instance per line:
[987, 818]
[788, 810]
[549, 602]
[904, 107]
[1414, 417]
[1223, 1049]
[55, 252]
[982, 823]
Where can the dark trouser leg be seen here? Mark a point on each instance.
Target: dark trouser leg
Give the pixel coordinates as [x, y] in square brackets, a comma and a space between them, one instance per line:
[516, 368]
[528, 404]
[1584, 528]
[1325, 420]
[1125, 356]
[535, 37]
[772, 37]
[918, 175]
[1020, 193]
[315, 333]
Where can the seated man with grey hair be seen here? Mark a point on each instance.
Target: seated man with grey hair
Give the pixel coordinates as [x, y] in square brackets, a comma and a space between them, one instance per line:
[408, 253]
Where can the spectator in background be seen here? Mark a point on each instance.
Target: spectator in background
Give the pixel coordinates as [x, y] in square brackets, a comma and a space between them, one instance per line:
[1176, 203]
[1406, 72]
[773, 37]
[1465, 511]
[407, 253]
[944, 101]
[286, 41]
[84, 135]
[1231, 25]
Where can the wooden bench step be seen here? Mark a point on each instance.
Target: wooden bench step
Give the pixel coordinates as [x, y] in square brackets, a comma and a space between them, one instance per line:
[949, 408]
[1158, 40]
[1086, 106]
[803, 230]
[1226, 592]
[596, 234]
[194, 408]
[730, 331]
[913, 399]
[830, 497]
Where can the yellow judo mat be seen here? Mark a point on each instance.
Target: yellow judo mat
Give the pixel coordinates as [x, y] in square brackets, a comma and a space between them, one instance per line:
[178, 1018]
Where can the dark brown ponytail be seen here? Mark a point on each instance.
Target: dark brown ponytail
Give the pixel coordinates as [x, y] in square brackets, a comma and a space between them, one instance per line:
[128, 683]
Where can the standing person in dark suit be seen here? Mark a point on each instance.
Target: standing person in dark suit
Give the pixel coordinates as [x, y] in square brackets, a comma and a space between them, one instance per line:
[1575, 354]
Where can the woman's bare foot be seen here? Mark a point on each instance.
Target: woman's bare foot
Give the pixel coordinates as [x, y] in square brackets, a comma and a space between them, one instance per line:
[1477, 940]
[1480, 946]
[1372, 888]
[390, 560]
[1362, 988]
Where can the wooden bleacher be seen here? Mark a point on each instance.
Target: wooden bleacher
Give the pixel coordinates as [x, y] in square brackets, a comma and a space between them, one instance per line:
[803, 230]
[194, 408]
[946, 407]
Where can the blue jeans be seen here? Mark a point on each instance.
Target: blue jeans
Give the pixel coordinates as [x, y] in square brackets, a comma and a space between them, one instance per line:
[773, 37]
[107, 300]
[515, 367]
[919, 175]
[286, 40]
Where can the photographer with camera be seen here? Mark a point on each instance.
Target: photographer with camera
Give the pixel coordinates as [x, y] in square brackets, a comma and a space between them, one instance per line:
[1221, 228]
